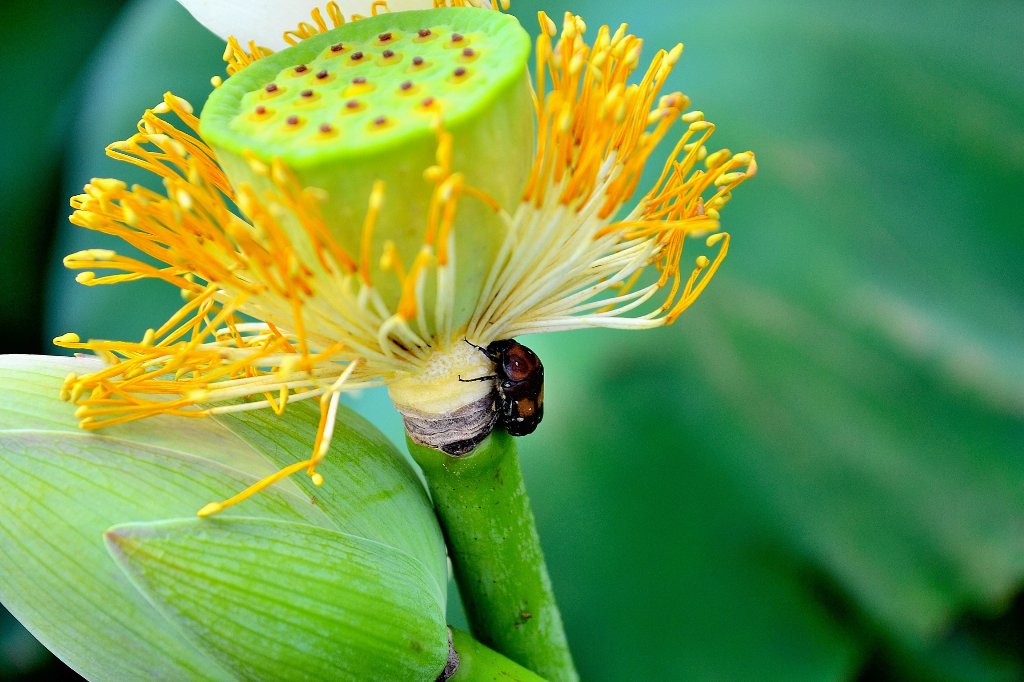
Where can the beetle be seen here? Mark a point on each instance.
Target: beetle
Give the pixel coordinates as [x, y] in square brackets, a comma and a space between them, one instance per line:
[520, 379]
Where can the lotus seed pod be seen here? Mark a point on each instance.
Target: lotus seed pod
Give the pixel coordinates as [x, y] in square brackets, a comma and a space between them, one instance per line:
[363, 103]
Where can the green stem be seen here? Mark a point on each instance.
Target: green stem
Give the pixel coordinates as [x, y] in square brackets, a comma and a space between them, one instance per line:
[477, 663]
[493, 544]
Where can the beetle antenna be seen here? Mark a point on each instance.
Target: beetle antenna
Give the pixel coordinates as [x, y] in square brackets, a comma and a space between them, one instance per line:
[479, 348]
[490, 376]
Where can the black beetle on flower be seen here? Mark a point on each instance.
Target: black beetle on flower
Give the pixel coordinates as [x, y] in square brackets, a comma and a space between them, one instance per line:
[520, 380]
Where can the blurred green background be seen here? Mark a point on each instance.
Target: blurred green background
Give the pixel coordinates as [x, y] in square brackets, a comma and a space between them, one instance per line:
[818, 474]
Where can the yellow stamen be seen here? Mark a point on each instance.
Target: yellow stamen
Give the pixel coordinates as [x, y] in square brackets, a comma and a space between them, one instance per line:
[275, 310]
[409, 301]
[217, 507]
[328, 415]
[366, 242]
[597, 126]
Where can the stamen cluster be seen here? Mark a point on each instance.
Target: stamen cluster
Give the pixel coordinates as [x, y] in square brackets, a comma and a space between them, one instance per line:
[277, 309]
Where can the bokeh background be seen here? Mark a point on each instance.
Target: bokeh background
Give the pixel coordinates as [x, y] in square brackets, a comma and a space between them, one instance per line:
[818, 474]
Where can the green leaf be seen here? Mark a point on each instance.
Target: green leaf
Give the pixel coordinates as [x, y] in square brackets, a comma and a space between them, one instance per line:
[32, 385]
[281, 600]
[369, 489]
[639, 522]
[61, 488]
[822, 465]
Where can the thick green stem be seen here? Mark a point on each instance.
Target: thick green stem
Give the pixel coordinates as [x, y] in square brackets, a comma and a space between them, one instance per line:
[493, 544]
[477, 663]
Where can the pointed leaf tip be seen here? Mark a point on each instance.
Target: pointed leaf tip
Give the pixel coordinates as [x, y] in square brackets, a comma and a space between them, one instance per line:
[280, 600]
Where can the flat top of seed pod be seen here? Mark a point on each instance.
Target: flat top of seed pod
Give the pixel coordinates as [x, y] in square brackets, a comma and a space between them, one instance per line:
[368, 85]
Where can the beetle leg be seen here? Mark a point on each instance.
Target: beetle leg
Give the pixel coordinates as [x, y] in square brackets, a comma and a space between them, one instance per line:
[491, 376]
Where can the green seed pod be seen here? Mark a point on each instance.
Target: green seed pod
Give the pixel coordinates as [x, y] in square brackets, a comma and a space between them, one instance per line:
[365, 103]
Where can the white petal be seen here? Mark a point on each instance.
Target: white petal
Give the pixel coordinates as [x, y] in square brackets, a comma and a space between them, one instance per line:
[265, 21]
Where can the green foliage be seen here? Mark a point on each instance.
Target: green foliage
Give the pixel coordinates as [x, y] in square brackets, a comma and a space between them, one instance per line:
[335, 588]
[278, 600]
[820, 470]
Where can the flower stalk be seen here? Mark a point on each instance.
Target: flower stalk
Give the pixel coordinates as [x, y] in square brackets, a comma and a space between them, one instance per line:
[492, 539]
[477, 662]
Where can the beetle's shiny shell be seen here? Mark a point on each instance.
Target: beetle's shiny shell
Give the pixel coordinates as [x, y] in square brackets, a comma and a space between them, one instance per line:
[520, 375]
